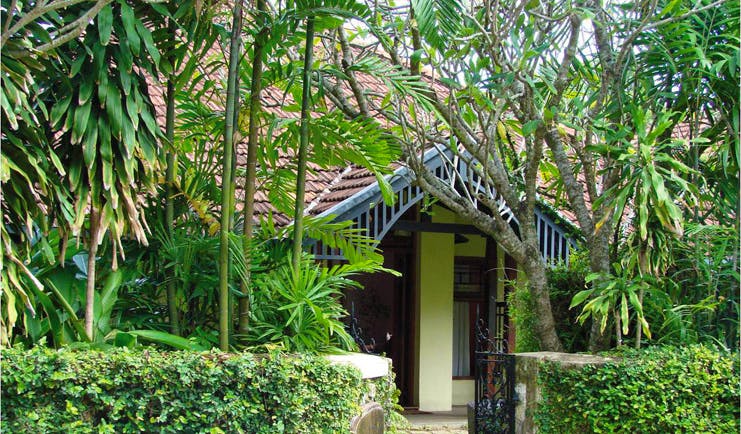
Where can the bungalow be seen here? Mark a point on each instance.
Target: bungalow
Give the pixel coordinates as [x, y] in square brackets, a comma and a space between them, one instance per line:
[452, 277]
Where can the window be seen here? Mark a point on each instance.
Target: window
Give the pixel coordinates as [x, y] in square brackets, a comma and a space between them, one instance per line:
[467, 278]
[468, 289]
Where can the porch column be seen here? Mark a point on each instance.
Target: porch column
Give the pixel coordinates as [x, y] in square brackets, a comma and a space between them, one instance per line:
[436, 318]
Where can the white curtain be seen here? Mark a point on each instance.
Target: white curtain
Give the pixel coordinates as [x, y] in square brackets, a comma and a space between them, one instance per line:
[461, 341]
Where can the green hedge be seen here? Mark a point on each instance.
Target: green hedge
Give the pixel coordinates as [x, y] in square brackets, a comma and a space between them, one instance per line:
[150, 391]
[658, 390]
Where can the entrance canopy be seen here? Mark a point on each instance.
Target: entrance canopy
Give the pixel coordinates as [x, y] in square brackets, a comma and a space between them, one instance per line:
[368, 211]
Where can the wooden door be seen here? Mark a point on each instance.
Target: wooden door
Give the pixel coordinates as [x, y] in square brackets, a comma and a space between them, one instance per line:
[385, 312]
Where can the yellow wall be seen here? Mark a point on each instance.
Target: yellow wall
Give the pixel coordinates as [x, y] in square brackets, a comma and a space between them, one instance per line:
[463, 392]
[436, 317]
[476, 246]
[437, 391]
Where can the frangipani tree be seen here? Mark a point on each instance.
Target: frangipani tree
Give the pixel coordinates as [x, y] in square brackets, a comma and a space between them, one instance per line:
[535, 91]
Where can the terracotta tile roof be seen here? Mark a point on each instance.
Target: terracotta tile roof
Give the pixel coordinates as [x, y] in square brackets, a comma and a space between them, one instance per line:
[325, 186]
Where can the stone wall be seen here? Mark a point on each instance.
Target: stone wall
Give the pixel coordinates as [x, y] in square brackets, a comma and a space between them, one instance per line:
[527, 390]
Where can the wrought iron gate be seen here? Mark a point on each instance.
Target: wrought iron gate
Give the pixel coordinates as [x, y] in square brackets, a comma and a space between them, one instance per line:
[494, 405]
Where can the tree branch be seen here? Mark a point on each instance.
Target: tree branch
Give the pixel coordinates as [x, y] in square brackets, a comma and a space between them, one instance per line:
[347, 60]
[73, 29]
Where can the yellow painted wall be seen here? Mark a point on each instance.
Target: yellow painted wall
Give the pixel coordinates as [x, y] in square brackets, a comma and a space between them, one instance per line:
[476, 246]
[436, 317]
[463, 392]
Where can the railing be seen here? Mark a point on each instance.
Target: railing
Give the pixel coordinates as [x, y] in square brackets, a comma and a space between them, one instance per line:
[368, 210]
[495, 393]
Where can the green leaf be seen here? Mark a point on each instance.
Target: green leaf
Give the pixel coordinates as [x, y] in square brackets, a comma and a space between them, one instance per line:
[580, 297]
[123, 56]
[124, 339]
[126, 81]
[132, 109]
[76, 66]
[114, 110]
[148, 41]
[80, 122]
[105, 24]
[417, 55]
[624, 318]
[107, 170]
[75, 174]
[168, 339]
[55, 322]
[636, 302]
[104, 134]
[438, 20]
[59, 110]
[530, 127]
[109, 294]
[129, 21]
[90, 144]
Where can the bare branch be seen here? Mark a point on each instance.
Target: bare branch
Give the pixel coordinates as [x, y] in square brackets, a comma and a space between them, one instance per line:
[41, 9]
[347, 61]
[74, 29]
[573, 187]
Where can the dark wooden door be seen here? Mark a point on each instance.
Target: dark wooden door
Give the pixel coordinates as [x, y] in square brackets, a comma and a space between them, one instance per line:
[385, 312]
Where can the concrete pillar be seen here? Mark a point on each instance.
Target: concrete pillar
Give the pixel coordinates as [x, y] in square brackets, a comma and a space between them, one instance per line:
[436, 321]
[527, 389]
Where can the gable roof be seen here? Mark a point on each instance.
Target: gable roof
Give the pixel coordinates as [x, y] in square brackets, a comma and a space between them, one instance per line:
[352, 192]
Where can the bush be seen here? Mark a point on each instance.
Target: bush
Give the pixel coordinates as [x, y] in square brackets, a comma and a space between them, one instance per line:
[150, 391]
[523, 313]
[657, 390]
[383, 391]
[565, 281]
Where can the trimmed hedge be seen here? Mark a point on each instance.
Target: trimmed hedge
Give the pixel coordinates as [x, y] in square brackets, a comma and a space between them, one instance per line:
[657, 390]
[124, 391]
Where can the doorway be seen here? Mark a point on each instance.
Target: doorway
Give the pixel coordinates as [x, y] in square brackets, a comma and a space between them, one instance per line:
[384, 310]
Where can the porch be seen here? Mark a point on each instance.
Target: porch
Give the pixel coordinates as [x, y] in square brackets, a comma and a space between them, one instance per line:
[426, 319]
[452, 276]
[454, 421]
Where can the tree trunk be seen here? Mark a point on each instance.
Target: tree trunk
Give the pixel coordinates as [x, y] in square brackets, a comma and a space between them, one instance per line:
[298, 215]
[599, 262]
[226, 211]
[249, 187]
[172, 307]
[90, 284]
[538, 285]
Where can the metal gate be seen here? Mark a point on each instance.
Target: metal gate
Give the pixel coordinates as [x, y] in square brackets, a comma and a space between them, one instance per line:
[494, 404]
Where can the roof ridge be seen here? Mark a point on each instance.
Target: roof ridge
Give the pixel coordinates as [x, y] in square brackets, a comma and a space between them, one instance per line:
[328, 189]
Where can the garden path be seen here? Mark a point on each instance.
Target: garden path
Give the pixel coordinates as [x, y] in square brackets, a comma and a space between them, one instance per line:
[448, 422]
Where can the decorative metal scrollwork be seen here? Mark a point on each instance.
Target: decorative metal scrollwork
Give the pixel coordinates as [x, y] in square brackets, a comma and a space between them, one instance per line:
[357, 333]
[495, 400]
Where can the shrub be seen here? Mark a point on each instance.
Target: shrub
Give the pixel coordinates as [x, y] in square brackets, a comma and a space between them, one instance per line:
[565, 281]
[150, 391]
[523, 313]
[657, 390]
[383, 391]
